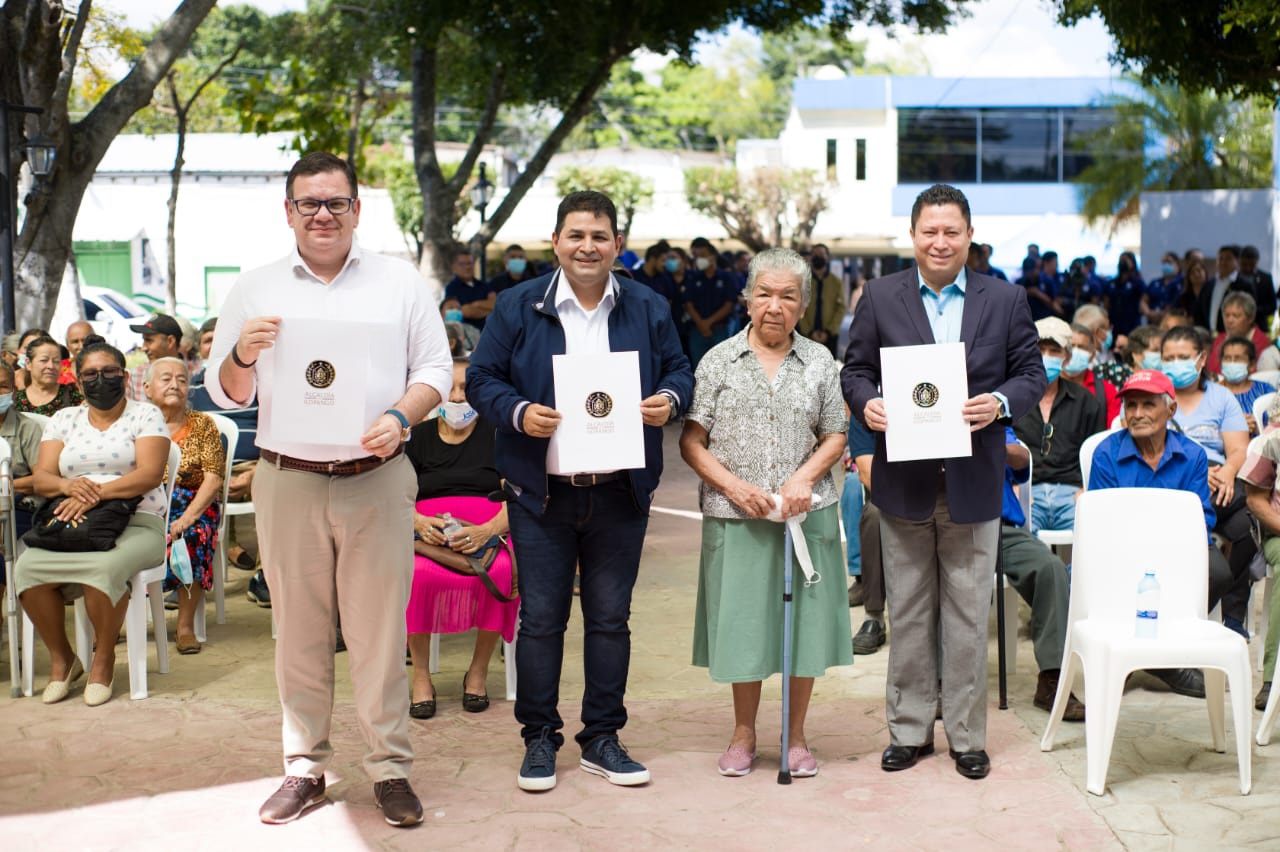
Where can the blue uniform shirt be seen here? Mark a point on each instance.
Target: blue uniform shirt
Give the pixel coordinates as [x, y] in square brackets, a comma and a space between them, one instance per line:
[1117, 463]
[476, 291]
[709, 294]
[1011, 510]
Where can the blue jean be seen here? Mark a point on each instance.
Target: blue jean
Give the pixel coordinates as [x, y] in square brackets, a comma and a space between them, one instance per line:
[700, 346]
[851, 516]
[1053, 506]
[598, 531]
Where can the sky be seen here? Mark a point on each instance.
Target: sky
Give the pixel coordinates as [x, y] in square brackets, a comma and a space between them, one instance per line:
[1001, 38]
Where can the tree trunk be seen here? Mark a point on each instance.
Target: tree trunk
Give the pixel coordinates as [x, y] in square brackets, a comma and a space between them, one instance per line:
[44, 243]
[175, 181]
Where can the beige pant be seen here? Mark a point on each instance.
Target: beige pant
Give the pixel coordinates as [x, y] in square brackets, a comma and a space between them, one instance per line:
[333, 544]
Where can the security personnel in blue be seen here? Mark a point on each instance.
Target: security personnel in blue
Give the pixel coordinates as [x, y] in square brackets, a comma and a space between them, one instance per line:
[590, 522]
[710, 296]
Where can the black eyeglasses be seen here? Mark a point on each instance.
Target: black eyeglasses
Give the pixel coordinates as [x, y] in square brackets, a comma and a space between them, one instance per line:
[106, 373]
[1046, 439]
[311, 206]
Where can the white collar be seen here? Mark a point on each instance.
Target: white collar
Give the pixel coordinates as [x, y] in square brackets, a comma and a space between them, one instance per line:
[566, 295]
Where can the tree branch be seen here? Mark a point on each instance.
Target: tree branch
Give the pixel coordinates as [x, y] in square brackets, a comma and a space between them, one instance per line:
[484, 131]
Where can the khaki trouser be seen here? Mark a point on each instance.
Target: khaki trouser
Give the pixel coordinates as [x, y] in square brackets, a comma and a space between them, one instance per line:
[340, 543]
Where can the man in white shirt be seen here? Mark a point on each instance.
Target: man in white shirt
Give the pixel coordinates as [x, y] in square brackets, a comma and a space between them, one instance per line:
[335, 519]
[594, 522]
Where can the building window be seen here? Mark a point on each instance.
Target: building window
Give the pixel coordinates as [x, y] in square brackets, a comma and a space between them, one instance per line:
[831, 160]
[1020, 146]
[1081, 144]
[860, 160]
[937, 145]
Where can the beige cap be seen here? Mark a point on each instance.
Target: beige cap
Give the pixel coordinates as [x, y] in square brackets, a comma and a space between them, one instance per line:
[1052, 328]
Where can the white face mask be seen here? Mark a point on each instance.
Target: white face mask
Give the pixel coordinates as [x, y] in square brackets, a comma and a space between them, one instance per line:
[702, 263]
[458, 415]
[6, 402]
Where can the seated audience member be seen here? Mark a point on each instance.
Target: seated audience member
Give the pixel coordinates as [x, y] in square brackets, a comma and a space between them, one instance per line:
[42, 393]
[1175, 317]
[196, 507]
[1094, 318]
[22, 375]
[77, 332]
[1143, 351]
[1078, 370]
[475, 298]
[1055, 430]
[1148, 454]
[1208, 414]
[23, 435]
[1041, 579]
[516, 269]
[451, 313]
[111, 448]
[1259, 475]
[453, 456]
[867, 590]
[1238, 313]
[1238, 361]
[161, 338]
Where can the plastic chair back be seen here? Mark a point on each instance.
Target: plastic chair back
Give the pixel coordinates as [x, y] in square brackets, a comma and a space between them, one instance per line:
[1260, 407]
[1121, 533]
[1024, 490]
[1087, 449]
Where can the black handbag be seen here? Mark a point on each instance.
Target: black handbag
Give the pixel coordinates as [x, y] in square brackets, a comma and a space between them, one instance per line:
[97, 531]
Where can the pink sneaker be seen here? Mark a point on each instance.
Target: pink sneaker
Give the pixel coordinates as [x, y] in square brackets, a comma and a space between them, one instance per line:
[736, 761]
[802, 763]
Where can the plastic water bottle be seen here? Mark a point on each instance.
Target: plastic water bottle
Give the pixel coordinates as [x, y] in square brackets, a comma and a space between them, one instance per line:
[1148, 617]
[451, 526]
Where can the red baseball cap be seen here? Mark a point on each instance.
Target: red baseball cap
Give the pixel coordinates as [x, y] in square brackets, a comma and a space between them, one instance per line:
[1148, 381]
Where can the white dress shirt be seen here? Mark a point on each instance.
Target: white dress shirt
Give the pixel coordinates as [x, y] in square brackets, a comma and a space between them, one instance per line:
[408, 344]
[585, 332]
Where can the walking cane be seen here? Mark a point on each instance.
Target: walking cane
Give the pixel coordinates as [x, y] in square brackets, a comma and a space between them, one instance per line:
[784, 772]
[1000, 655]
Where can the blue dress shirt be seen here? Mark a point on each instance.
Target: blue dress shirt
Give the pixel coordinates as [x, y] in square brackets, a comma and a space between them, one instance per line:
[1117, 463]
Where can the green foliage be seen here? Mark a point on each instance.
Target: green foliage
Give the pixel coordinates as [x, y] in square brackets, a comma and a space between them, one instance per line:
[762, 208]
[1203, 140]
[629, 191]
[1217, 45]
[387, 167]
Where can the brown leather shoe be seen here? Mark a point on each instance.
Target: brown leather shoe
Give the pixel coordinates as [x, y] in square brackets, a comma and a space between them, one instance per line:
[294, 797]
[400, 805]
[1047, 689]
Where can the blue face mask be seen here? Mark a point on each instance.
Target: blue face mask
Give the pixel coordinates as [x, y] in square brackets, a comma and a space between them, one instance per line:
[1235, 373]
[6, 402]
[1052, 366]
[517, 265]
[672, 265]
[1077, 363]
[454, 315]
[1167, 270]
[1108, 340]
[1151, 361]
[1183, 374]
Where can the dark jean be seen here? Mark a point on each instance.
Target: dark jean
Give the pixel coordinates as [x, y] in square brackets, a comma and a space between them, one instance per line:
[598, 531]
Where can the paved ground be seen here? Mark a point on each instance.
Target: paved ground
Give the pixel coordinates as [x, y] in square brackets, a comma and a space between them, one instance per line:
[188, 767]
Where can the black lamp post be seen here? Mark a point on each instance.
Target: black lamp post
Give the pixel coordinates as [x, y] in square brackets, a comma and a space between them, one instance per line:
[40, 154]
[481, 194]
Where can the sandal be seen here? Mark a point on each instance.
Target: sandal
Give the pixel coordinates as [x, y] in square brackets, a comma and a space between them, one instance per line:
[471, 702]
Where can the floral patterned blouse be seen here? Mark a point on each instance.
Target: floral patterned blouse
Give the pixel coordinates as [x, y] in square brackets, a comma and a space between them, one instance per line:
[68, 396]
[201, 450]
[763, 432]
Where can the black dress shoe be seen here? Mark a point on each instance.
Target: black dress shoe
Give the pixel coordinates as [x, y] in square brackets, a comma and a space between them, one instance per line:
[1188, 682]
[972, 764]
[898, 757]
[869, 637]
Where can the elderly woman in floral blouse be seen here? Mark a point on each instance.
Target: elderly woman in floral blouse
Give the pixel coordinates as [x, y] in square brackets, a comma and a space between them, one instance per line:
[768, 419]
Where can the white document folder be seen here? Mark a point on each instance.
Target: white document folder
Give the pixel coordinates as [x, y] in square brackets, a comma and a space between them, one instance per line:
[601, 429]
[319, 380]
[924, 390]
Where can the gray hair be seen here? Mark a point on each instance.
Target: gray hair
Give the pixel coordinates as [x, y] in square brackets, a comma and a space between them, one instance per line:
[168, 359]
[782, 260]
[1090, 315]
[1242, 300]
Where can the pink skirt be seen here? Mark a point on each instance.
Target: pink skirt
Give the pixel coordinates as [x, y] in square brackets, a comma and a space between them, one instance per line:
[444, 602]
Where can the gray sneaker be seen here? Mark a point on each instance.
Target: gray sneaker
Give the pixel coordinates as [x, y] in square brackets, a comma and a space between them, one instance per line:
[294, 797]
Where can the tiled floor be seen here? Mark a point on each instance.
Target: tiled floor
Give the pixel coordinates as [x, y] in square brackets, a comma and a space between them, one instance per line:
[187, 768]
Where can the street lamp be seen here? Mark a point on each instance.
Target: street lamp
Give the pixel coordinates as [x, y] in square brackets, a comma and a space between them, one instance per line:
[481, 193]
[40, 154]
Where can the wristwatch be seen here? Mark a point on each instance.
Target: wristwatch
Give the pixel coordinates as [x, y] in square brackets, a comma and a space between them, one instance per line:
[404, 423]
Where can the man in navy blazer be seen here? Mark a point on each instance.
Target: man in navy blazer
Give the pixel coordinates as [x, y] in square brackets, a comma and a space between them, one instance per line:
[592, 523]
[940, 518]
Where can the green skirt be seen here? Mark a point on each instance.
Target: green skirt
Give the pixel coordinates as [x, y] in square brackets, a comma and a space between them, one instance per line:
[140, 546]
[737, 631]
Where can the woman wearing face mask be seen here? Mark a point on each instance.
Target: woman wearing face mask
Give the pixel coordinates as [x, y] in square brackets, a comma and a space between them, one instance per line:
[1239, 359]
[453, 456]
[1208, 414]
[111, 448]
[451, 313]
[43, 394]
[1143, 349]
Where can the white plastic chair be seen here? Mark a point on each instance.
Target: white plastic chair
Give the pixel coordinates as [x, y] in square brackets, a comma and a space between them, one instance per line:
[1260, 406]
[11, 621]
[1087, 449]
[1271, 377]
[1109, 562]
[508, 656]
[230, 433]
[147, 583]
[1264, 587]
[1269, 714]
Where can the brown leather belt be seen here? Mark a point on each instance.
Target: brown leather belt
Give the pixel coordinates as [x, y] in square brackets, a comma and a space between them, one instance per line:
[585, 480]
[335, 468]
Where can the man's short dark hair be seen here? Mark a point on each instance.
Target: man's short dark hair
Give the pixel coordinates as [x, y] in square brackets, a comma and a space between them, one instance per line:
[588, 201]
[318, 163]
[656, 250]
[1250, 252]
[513, 247]
[701, 243]
[939, 195]
[1231, 249]
[458, 250]
[1089, 260]
[1250, 349]
[1049, 256]
[211, 324]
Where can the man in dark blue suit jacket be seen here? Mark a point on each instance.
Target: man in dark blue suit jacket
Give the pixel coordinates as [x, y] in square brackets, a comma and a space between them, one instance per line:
[940, 518]
[593, 523]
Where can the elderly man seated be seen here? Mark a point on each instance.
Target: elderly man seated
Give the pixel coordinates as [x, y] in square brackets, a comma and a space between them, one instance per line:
[1055, 429]
[1041, 580]
[1147, 454]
